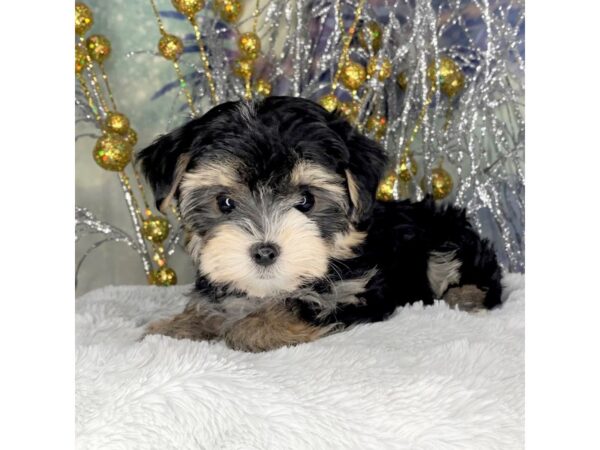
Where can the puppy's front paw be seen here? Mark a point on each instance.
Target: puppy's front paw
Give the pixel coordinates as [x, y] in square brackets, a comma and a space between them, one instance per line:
[271, 328]
[190, 324]
[467, 298]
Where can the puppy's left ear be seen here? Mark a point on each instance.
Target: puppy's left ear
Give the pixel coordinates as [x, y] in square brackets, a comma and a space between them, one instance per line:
[367, 162]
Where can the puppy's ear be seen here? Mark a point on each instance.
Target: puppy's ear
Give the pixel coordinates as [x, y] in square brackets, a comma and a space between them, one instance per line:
[164, 163]
[367, 162]
[166, 160]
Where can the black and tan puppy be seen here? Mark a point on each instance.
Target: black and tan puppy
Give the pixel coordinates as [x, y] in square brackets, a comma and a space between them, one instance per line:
[278, 200]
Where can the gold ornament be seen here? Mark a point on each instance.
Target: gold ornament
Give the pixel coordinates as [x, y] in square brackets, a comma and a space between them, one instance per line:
[353, 75]
[402, 81]
[451, 77]
[441, 183]
[349, 110]
[407, 167]
[263, 87]
[116, 122]
[249, 45]
[329, 102]
[112, 152]
[155, 229]
[381, 69]
[188, 8]
[243, 68]
[229, 9]
[170, 46]
[131, 136]
[377, 124]
[370, 35]
[84, 19]
[165, 276]
[98, 47]
[80, 58]
[385, 190]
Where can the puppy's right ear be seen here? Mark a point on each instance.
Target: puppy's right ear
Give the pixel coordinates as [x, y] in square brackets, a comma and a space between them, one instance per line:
[164, 163]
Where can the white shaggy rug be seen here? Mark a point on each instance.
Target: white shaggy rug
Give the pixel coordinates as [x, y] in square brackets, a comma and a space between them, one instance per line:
[428, 378]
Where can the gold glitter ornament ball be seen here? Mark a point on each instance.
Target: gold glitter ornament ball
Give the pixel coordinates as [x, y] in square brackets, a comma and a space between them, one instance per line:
[131, 136]
[84, 19]
[349, 110]
[353, 75]
[377, 124]
[98, 47]
[230, 10]
[402, 80]
[80, 58]
[249, 45]
[165, 276]
[263, 87]
[370, 35]
[116, 122]
[112, 152]
[329, 102]
[381, 69]
[170, 46]
[243, 68]
[451, 77]
[441, 183]
[407, 166]
[155, 229]
[188, 8]
[385, 190]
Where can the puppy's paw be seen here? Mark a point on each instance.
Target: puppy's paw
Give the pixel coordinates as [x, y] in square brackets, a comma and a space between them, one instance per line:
[190, 324]
[271, 328]
[467, 298]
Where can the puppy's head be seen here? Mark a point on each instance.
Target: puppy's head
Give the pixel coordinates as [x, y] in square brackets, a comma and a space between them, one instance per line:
[270, 193]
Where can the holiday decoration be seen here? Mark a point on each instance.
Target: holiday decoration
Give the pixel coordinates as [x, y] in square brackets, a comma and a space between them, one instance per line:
[98, 48]
[188, 8]
[249, 45]
[441, 183]
[370, 36]
[430, 81]
[84, 19]
[112, 152]
[230, 10]
[353, 75]
[380, 69]
[116, 122]
[155, 229]
[263, 87]
[170, 47]
[165, 276]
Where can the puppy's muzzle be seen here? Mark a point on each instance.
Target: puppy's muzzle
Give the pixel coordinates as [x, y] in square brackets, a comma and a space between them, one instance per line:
[264, 253]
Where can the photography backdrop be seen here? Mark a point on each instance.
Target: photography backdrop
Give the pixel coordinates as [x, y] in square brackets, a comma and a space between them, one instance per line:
[463, 140]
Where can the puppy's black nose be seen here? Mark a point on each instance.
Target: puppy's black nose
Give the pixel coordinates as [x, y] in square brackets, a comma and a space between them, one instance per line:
[264, 254]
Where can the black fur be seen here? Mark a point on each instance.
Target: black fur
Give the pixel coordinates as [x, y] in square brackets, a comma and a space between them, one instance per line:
[400, 235]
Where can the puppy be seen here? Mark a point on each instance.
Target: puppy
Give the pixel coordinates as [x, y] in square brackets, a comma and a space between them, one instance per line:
[278, 202]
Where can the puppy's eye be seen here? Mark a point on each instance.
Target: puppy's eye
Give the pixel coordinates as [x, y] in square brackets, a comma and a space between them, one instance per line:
[226, 204]
[307, 202]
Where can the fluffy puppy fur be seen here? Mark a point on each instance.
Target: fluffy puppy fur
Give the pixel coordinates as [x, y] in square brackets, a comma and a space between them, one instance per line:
[278, 201]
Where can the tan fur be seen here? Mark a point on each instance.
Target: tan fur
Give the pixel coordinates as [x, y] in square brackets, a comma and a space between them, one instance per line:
[272, 327]
[354, 194]
[182, 163]
[308, 173]
[211, 174]
[194, 323]
[225, 255]
[343, 243]
[467, 298]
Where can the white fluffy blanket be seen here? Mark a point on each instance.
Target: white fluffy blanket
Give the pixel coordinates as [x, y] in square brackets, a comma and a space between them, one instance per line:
[428, 378]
